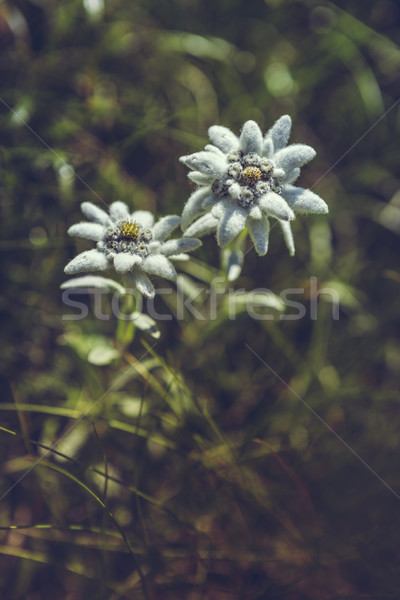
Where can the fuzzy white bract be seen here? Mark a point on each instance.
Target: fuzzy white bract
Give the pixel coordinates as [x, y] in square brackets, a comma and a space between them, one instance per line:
[243, 181]
[131, 243]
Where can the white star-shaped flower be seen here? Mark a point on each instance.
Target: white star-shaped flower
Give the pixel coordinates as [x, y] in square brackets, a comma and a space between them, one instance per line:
[243, 181]
[132, 243]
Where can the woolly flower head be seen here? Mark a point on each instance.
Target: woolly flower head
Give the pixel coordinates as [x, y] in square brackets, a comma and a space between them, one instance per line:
[131, 243]
[243, 181]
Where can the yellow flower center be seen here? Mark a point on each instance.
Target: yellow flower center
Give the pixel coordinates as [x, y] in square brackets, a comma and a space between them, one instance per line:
[250, 175]
[129, 231]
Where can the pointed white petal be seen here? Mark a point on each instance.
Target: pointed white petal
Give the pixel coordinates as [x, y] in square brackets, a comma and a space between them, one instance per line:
[234, 263]
[92, 281]
[302, 200]
[119, 211]
[142, 283]
[223, 138]
[91, 260]
[280, 132]
[206, 224]
[275, 206]
[215, 150]
[205, 162]
[295, 155]
[144, 218]
[89, 231]
[251, 138]
[218, 210]
[96, 214]
[124, 261]
[146, 323]
[157, 264]
[268, 147]
[210, 201]
[179, 246]
[200, 178]
[292, 175]
[259, 233]
[164, 227]
[231, 224]
[194, 206]
[288, 236]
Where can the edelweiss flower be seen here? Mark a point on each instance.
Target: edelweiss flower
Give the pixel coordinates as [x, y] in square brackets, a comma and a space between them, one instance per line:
[132, 243]
[245, 180]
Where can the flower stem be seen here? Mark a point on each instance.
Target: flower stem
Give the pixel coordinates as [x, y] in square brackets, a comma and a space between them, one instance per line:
[126, 326]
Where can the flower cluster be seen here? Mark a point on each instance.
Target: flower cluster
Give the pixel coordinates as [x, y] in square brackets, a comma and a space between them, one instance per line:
[243, 181]
[131, 243]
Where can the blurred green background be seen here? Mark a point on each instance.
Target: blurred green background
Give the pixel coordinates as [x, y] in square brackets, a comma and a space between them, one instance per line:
[225, 476]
